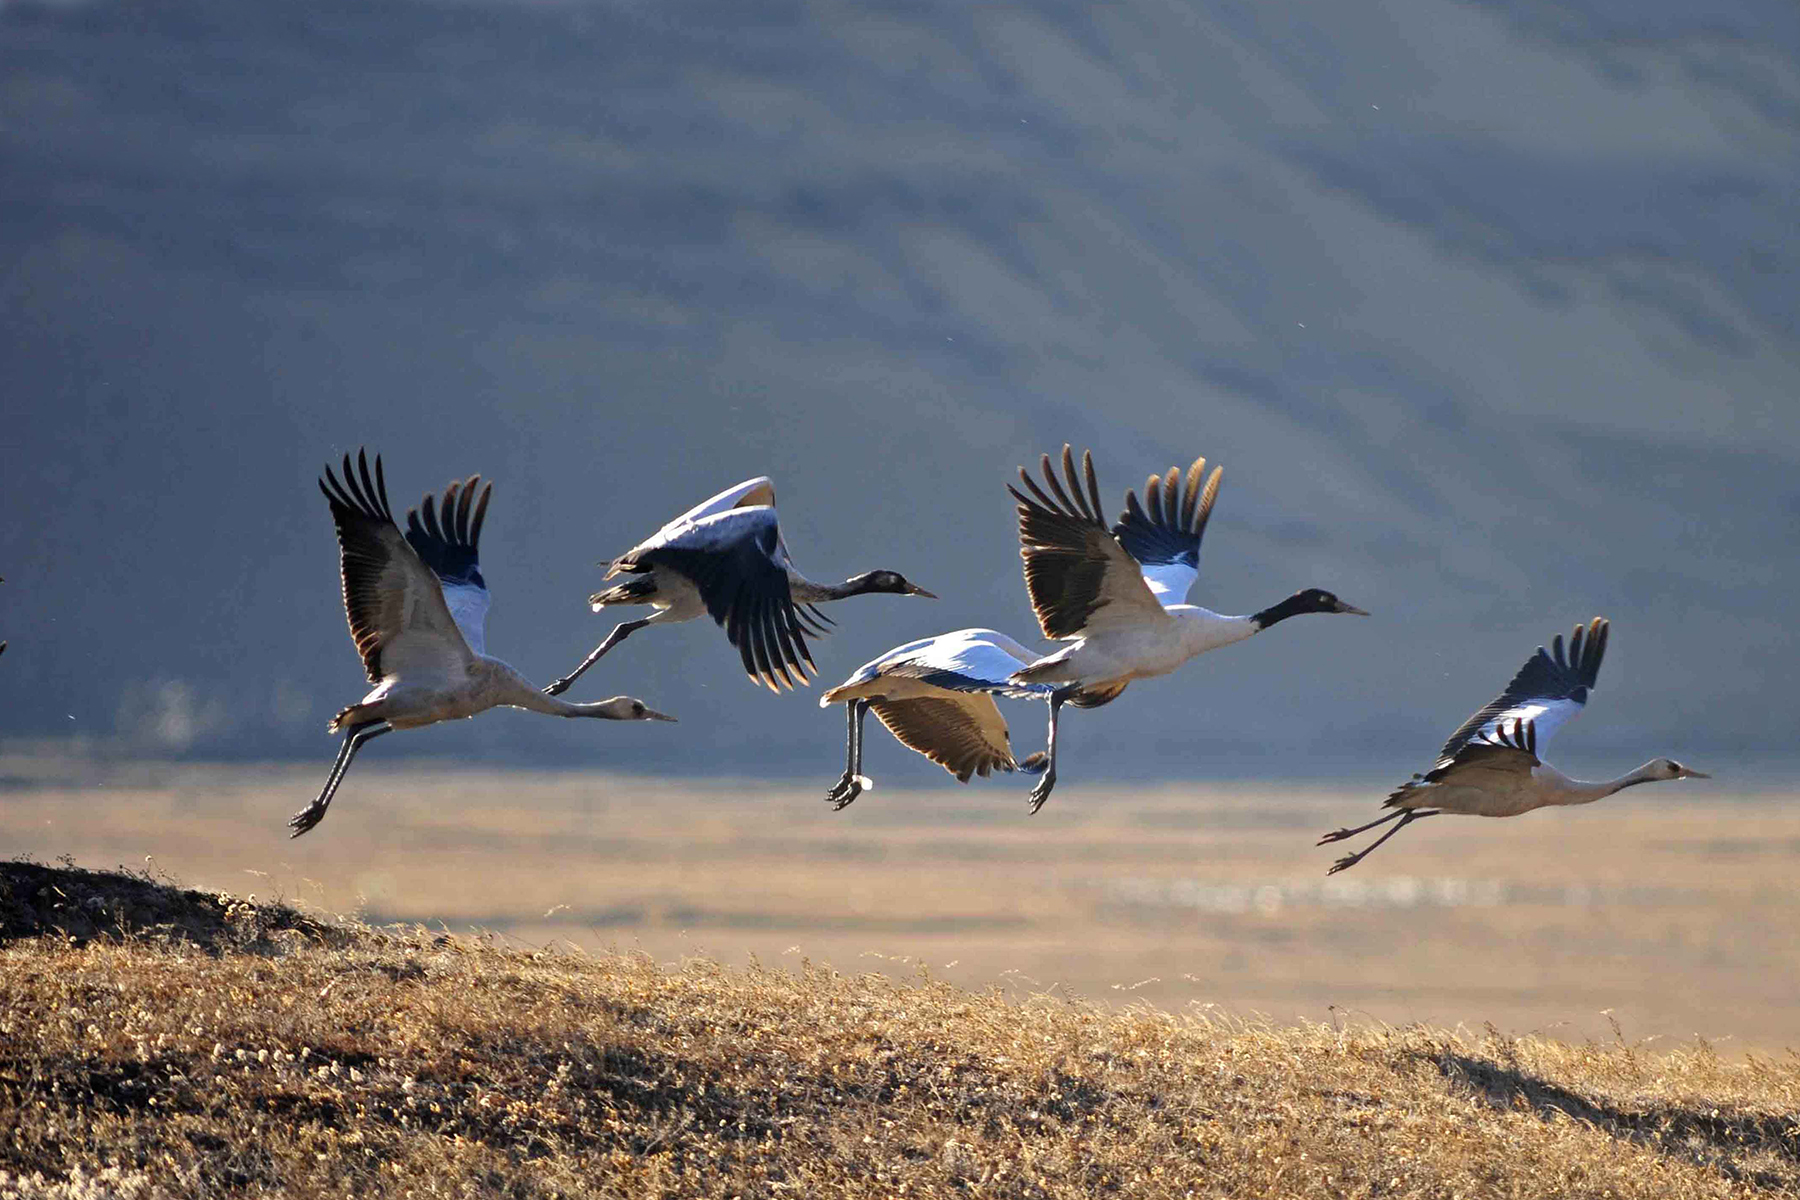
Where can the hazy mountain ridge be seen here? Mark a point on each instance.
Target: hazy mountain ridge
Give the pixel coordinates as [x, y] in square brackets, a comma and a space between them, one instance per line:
[1483, 309]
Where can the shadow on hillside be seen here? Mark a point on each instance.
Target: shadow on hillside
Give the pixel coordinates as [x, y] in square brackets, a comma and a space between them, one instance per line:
[1719, 1137]
[82, 905]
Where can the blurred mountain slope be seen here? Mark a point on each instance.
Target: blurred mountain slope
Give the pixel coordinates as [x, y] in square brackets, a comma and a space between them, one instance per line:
[1486, 309]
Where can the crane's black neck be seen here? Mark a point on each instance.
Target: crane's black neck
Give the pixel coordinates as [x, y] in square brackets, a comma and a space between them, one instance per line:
[1293, 606]
[810, 592]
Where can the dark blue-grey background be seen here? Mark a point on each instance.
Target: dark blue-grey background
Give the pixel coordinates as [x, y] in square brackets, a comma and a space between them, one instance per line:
[1487, 309]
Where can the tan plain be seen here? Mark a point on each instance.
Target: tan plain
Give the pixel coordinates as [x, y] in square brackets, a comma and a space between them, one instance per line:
[1674, 915]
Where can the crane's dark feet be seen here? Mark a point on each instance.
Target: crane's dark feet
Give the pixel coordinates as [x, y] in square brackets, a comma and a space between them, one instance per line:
[1345, 863]
[1035, 763]
[1336, 835]
[847, 790]
[305, 819]
[560, 686]
[1041, 792]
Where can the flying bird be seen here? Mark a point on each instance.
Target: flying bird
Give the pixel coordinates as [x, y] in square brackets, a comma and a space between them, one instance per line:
[1118, 595]
[417, 606]
[725, 558]
[1490, 766]
[936, 695]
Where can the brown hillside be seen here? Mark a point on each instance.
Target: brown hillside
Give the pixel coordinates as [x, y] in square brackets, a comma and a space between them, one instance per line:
[155, 1042]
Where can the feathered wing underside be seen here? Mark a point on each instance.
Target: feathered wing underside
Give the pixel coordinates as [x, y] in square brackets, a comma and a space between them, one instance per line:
[1163, 533]
[1076, 572]
[732, 560]
[966, 735]
[966, 661]
[751, 493]
[450, 547]
[748, 494]
[1481, 765]
[1548, 690]
[394, 604]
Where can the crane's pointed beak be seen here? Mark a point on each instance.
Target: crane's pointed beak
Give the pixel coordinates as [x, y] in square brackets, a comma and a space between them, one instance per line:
[913, 589]
[1689, 774]
[1351, 609]
[650, 714]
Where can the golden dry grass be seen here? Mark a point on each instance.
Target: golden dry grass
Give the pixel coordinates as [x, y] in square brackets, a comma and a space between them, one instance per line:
[154, 1043]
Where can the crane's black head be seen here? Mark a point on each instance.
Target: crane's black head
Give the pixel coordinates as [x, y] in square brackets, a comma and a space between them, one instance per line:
[1307, 600]
[886, 581]
[1668, 768]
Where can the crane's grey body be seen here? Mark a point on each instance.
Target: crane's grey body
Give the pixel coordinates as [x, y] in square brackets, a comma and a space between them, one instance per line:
[1117, 593]
[1490, 766]
[417, 606]
[725, 558]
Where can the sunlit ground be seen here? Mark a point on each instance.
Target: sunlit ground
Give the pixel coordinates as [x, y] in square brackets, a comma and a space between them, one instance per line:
[1670, 911]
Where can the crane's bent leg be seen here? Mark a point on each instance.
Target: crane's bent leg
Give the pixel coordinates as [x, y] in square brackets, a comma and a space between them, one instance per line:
[1041, 792]
[621, 631]
[854, 782]
[1350, 860]
[1340, 834]
[313, 813]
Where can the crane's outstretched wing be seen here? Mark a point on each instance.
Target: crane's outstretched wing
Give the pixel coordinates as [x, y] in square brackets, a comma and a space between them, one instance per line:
[733, 559]
[747, 494]
[395, 606]
[450, 549]
[965, 734]
[968, 660]
[1164, 533]
[1077, 573]
[1550, 688]
[751, 493]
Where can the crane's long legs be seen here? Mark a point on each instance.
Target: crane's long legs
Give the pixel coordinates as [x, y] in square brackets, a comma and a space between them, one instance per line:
[1350, 860]
[621, 631]
[1339, 835]
[313, 813]
[854, 781]
[1041, 792]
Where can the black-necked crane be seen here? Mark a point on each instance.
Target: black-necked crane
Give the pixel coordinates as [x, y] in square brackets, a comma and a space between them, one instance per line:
[1117, 595]
[936, 695]
[1490, 766]
[725, 558]
[417, 606]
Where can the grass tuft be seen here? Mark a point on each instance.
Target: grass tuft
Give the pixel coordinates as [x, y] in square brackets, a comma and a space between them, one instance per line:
[160, 1042]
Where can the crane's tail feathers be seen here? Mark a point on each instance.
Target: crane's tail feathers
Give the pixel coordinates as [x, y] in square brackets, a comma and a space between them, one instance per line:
[356, 714]
[1096, 697]
[633, 591]
[1408, 794]
[1037, 672]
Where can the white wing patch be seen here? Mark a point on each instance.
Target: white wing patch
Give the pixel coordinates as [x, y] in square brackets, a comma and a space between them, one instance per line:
[1169, 582]
[1548, 715]
[714, 532]
[758, 491]
[468, 607]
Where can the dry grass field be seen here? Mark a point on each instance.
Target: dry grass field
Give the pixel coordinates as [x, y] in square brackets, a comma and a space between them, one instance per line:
[155, 1043]
[1671, 912]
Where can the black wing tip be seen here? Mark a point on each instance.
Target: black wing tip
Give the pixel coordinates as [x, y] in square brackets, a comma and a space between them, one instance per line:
[1168, 524]
[446, 531]
[1076, 493]
[359, 491]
